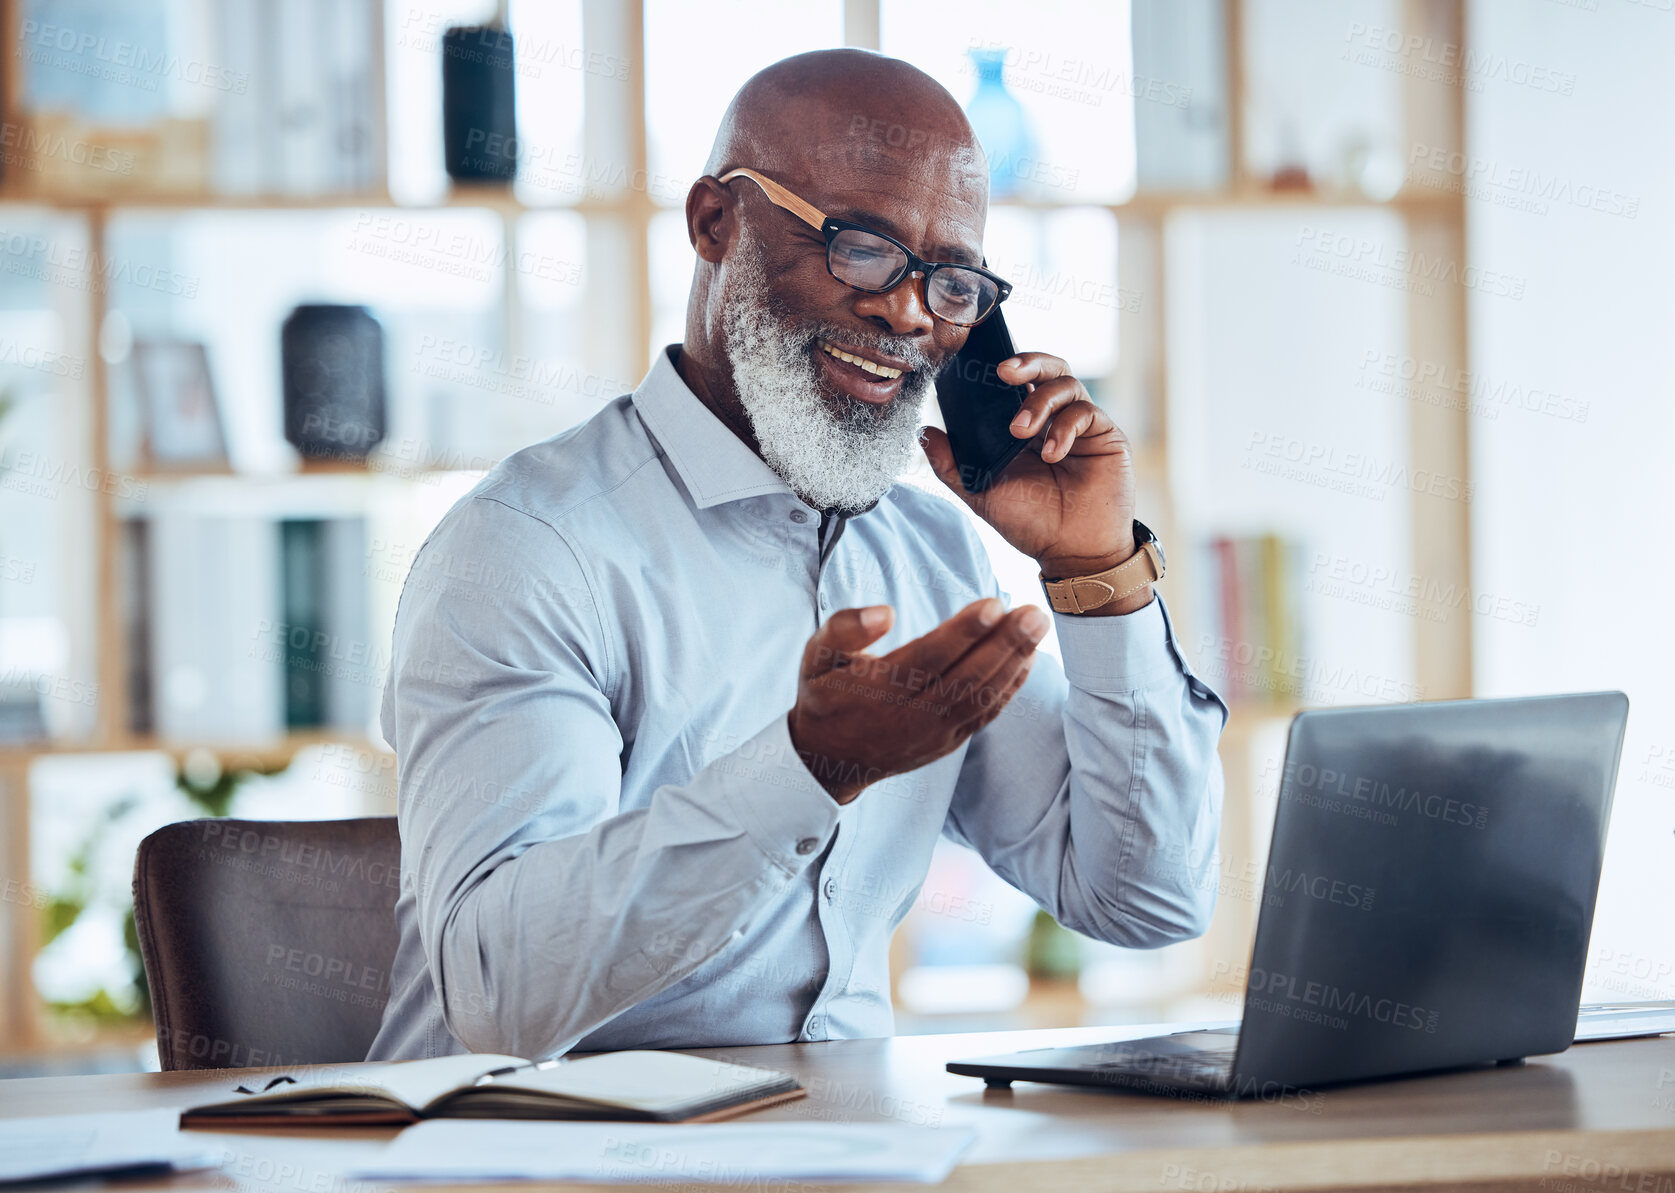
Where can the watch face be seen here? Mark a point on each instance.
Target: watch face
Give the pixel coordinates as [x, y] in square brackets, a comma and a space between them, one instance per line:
[1143, 535]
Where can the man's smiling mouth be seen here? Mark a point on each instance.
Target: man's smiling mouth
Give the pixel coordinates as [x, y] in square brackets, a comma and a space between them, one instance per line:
[860, 362]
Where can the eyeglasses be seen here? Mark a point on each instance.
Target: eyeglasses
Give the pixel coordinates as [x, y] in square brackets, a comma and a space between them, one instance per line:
[870, 261]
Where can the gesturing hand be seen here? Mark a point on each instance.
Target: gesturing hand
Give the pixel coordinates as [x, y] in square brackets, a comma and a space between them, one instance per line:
[861, 717]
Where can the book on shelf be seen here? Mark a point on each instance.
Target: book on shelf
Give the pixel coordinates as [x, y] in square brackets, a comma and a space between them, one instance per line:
[641, 1086]
[213, 591]
[328, 663]
[245, 628]
[1249, 592]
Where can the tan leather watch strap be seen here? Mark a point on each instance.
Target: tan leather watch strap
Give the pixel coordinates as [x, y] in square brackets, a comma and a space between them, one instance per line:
[1079, 594]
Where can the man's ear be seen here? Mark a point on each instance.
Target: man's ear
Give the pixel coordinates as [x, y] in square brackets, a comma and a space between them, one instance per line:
[709, 218]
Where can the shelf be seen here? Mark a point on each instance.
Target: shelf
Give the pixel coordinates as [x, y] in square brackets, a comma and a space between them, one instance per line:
[276, 751]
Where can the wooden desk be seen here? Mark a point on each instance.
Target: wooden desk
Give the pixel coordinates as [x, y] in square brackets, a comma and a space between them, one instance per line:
[1597, 1119]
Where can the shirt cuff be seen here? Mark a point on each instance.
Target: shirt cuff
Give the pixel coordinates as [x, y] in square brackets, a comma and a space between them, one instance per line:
[771, 793]
[1117, 654]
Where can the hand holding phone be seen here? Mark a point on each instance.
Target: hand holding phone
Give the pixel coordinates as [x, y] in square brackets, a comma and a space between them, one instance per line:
[978, 407]
[1069, 504]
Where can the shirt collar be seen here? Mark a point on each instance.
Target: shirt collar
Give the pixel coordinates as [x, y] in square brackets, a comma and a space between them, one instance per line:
[713, 463]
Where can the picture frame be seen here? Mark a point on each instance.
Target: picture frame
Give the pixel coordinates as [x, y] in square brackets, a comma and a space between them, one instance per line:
[180, 417]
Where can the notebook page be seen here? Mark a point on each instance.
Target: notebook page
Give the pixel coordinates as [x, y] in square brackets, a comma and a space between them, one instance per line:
[415, 1083]
[648, 1081]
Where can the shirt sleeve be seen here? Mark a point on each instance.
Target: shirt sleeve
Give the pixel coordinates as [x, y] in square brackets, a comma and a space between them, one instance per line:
[544, 909]
[1098, 790]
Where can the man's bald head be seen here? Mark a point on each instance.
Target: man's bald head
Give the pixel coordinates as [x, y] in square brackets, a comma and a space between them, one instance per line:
[848, 113]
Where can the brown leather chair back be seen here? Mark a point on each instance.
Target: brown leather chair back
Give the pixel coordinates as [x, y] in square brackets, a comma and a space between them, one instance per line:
[267, 942]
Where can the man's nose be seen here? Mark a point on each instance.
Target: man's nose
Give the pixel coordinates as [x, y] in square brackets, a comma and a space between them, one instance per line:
[901, 309]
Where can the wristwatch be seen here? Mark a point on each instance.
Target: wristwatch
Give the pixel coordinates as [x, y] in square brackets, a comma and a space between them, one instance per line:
[1079, 594]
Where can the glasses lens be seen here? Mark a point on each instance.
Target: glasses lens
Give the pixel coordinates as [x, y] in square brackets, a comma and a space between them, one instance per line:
[961, 295]
[865, 261]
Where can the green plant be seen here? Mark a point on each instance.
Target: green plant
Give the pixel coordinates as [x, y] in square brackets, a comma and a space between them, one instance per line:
[211, 789]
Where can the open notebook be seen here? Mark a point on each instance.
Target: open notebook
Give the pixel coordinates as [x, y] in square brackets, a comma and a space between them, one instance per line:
[662, 1087]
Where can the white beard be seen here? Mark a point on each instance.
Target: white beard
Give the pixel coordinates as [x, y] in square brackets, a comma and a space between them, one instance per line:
[834, 451]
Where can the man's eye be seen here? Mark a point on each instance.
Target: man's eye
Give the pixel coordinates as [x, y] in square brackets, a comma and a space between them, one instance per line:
[861, 256]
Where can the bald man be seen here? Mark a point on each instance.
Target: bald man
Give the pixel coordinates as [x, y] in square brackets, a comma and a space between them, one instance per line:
[683, 697]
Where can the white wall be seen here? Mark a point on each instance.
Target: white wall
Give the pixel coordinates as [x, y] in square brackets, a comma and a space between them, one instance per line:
[1575, 514]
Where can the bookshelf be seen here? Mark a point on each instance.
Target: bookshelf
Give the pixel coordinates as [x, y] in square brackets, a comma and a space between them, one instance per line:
[614, 128]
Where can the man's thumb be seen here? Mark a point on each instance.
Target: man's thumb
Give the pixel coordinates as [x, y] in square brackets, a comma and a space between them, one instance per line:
[845, 632]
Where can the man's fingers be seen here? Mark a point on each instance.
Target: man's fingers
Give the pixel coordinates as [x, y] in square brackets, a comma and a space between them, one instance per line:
[991, 662]
[846, 632]
[937, 651]
[1033, 367]
[994, 702]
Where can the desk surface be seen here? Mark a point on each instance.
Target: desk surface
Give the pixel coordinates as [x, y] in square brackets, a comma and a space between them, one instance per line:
[1599, 1118]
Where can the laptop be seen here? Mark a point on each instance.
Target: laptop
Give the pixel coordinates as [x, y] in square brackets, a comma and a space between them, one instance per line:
[1427, 904]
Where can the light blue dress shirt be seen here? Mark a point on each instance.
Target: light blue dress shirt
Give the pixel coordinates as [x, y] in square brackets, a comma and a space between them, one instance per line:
[608, 840]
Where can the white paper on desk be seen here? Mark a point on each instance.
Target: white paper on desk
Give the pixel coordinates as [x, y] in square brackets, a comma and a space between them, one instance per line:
[70, 1144]
[722, 1153]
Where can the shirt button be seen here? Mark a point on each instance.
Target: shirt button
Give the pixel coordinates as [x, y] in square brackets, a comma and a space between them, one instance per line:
[813, 1026]
[825, 600]
[808, 845]
[831, 889]
[799, 515]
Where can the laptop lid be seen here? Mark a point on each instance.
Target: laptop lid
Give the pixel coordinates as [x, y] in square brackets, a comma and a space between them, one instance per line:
[1430, 887]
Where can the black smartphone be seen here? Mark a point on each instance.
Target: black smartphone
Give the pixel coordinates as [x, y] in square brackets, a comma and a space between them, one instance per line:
[978, 407]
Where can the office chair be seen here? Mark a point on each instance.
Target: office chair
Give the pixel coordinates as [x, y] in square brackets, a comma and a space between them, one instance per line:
[267, 942]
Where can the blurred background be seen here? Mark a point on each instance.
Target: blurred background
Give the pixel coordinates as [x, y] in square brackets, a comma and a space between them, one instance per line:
[1379, 288]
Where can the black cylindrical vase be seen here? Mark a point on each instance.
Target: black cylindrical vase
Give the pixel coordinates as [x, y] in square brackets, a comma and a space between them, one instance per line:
[479, 120]
[332, 363]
